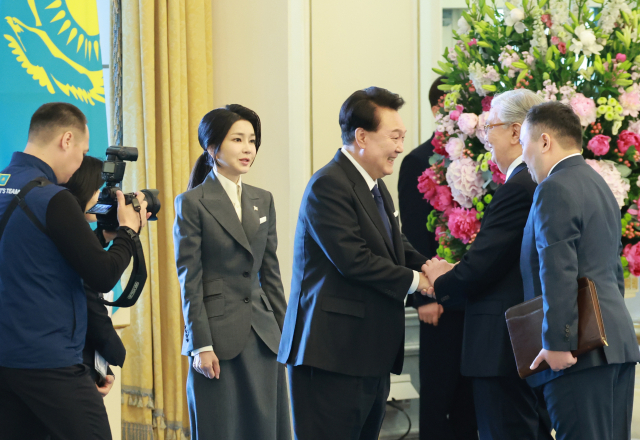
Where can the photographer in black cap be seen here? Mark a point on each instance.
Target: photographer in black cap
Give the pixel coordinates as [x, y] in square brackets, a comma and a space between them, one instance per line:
[47, 251]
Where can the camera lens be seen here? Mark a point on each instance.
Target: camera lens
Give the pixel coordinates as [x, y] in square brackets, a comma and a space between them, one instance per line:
[153, 203]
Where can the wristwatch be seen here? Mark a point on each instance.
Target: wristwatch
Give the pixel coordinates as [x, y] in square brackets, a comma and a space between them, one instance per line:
[129, 231]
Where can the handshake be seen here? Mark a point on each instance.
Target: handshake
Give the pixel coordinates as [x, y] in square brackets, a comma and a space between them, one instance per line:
[431, 270]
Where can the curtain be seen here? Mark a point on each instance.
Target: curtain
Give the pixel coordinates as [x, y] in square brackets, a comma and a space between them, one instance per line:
[167, 78]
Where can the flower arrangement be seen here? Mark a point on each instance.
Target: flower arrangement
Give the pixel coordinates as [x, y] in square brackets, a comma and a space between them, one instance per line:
[588, 58]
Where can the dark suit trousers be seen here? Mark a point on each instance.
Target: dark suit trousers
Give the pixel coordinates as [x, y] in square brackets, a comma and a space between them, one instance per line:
[63, 402]
[592, 404]
[446, 398]
[335, 406]
[508, 408]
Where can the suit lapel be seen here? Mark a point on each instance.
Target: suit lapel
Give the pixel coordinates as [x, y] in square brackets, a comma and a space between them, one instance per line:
[250, 217]
[217, 202]
[366, 198]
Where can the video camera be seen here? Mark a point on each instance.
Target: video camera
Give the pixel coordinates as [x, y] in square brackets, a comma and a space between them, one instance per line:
[106, 210]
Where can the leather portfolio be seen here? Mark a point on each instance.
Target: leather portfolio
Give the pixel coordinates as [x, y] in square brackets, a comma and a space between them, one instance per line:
[525, 328]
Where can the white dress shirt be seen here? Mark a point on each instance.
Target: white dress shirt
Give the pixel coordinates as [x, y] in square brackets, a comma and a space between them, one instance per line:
[564, 158]
[371, 183]
[234, 191]
[513, 166]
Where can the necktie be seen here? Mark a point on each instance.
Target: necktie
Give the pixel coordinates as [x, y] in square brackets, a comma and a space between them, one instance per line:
[380, 204]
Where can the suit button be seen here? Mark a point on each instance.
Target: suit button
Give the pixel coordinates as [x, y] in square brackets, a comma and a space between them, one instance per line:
[246, 300]
[245, 274]
[567, 326]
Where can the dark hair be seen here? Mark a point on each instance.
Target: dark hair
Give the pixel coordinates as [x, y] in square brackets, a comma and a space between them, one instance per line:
[86, 181]
[56, 115]
[558, 118]
[212, 130]
[359, 111]
[435, 93]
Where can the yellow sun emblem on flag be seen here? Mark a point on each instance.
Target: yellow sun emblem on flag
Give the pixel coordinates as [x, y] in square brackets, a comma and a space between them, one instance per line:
[60, 45]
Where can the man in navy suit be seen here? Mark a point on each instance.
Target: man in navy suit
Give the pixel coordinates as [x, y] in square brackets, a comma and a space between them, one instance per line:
[488, 280]
[573, 231]
[344, 327]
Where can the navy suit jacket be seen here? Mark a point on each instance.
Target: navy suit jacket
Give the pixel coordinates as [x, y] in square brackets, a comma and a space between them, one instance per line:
[488, 278]
[349, 282]
[573, 231]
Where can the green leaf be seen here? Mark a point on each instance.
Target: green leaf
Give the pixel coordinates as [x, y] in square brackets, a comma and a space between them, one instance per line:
[485, 44]
[624, 170]
[522, 75]
[438, 71]
[575, 20]
[435, 158]
[542, 3]
[551, 64]
[489, 87]
[445, 87]
[568, 27]
[576, 65]
[509, 5]
[520, 65]
[509, 30]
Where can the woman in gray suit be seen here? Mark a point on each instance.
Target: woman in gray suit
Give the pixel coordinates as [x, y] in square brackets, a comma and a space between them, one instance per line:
[232, 297]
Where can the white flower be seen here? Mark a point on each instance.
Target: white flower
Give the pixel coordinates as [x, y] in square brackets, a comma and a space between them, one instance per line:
[539, 37]
[559, 16]
[619, 186]
[463, 26]
[586, 42]
[611, 14]
[454, 147]
[515, 19]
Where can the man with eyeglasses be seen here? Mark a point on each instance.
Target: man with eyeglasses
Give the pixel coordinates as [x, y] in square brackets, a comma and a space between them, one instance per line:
[489, 278]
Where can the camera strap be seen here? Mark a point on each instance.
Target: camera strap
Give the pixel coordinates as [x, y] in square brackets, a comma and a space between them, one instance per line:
[132, 292]
[19, 200]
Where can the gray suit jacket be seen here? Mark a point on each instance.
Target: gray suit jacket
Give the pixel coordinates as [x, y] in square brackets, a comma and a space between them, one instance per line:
[573, 231]
[229, 273]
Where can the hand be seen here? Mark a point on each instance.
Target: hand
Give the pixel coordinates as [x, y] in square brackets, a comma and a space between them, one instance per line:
[557, 360]
[127, 216]
[109, 236]
[207, 364]
[430, 313]
[424, 286]
[108, 384]
[434, 268]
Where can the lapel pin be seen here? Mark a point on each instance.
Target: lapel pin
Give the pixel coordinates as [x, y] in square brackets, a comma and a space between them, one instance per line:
[255, 208]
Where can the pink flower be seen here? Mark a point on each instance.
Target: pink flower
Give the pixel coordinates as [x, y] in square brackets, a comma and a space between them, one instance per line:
[455, 147]
[440, 231]
[463, 223]
[555, 40]
[437, 140]
[467, 123]
[607, 169]
[496, 174]
[599, 145]
[465, 182]
[480, 134]
[626, 139]
[585, 108]
[630, 102]
[455, 114]
[427, 184]
[634, 126]
[546, 19]
[486, 103]
[443, 201]
[632, 254]
[621, 58]
[562, 47]
[473, 42]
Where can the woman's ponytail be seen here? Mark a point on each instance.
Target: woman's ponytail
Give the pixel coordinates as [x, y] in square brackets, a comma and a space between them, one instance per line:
[199, 171]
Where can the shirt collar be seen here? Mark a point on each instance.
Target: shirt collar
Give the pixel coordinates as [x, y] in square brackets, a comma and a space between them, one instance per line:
[21, 159]
[229, 187]
[513, 166]
[564, 158]
[367, 178]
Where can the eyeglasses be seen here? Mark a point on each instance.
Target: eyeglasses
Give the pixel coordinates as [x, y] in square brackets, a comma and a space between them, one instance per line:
[488, 126]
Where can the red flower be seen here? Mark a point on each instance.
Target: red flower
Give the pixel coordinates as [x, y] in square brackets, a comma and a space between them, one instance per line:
[626, 139]
[496, 174]
[632, 254]
[443, 200]
[463, 224]
[438, 145]
[562, 47]
[486, 103]
[427, 184]
[473, 42]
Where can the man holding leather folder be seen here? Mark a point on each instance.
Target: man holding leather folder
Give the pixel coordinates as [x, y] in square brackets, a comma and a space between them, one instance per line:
[573, 231]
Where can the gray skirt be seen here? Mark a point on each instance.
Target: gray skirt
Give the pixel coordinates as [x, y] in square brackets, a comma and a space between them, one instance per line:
[250, 400]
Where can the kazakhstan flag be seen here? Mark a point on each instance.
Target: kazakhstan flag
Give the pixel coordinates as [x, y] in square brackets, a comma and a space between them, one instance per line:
[49, 51]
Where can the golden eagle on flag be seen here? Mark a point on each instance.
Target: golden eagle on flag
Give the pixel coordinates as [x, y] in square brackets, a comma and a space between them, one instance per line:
[57, 43]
